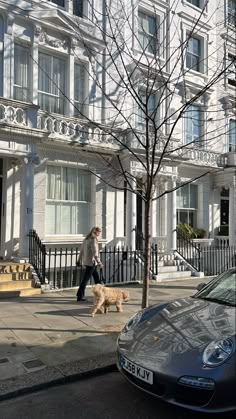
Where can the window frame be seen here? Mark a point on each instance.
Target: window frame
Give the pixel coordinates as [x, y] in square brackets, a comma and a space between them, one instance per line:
[231, 81]
[191, 54]
[77, 103]
[27, 88]
[60, 97]
[154, 36]
[190, 211]
[69, 202]
[231, 13]
[58, 1]
[199, 140]
[232, 145]
[191, 2]
[139, 124]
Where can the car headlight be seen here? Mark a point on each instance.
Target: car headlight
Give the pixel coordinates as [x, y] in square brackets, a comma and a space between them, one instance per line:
[217, 352]
[133, 321]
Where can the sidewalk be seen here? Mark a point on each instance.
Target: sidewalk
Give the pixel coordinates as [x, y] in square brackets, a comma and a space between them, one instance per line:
[50, 338]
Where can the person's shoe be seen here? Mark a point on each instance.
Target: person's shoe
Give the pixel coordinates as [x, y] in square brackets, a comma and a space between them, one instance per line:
[81, 299]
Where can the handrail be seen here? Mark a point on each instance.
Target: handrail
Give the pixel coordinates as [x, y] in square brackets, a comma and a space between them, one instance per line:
[188, 250]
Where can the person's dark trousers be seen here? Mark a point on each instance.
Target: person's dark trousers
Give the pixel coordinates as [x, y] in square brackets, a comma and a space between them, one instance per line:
[89, 271]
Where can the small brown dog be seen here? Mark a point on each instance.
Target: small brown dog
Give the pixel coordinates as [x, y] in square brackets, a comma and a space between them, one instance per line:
[104, 297]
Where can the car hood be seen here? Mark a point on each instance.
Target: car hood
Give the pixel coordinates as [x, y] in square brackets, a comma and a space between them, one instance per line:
[177, 330]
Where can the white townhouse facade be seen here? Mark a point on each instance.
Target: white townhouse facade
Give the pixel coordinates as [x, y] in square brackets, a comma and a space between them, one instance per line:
[49, 148]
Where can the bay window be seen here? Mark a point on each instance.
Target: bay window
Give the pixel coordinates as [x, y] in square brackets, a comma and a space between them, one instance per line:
[79, 91]
[193, 126]
[68, 201]
[51, 83]
[147, 33]
[187, 204]
[232, 135]
[21, 83]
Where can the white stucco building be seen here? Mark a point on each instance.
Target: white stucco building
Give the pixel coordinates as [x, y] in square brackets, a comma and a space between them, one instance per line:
[49, 153]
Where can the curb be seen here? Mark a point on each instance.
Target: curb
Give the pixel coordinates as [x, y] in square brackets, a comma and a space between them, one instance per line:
[54, 376]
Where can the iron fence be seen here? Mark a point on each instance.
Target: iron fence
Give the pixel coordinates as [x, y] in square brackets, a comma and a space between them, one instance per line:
[57, 265]
[212, 260]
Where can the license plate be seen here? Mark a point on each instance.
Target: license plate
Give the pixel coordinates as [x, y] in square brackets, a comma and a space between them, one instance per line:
[136, 370]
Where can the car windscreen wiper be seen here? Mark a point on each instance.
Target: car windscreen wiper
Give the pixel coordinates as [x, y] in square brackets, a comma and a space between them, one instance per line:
[219, 301]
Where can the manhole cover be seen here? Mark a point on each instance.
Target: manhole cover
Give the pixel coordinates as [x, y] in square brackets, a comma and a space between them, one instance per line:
[4, 360]
[34, 363]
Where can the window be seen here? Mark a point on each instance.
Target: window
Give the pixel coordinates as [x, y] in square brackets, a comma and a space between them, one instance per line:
[232, 135]
[79, 88]
[232, 12]
[193, 126]
[231, 73]
[194, 2]
[187, 204]
[78, 8]
[147, 33]
[51, 83]
[151, 111]
[58, 2]
[193, 55]
[21, 73]
[68, 200]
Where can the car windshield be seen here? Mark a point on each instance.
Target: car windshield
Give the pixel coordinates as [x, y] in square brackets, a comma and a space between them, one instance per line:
[221, 290]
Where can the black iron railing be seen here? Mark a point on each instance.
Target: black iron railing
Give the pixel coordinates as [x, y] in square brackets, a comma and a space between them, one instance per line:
[211, 260]
[188, 250]
[57, 265]
[140, 246]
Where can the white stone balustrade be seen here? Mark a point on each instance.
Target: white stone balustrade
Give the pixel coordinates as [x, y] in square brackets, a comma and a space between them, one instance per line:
[161, 242]
[74, 130]
[12, 114]
[222, 241]
[81, 132]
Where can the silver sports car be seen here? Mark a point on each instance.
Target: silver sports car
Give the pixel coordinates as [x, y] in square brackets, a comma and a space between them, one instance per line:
[183, 351]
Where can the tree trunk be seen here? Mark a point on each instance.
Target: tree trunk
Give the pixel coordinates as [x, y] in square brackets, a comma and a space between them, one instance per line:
[147, 253]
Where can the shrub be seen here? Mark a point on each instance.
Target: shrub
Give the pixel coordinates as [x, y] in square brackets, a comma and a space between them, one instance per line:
[190, 232]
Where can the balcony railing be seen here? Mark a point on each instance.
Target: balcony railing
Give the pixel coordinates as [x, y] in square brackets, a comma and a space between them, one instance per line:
[78, 131]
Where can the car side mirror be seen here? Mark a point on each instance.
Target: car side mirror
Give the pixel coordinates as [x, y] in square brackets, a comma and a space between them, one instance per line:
[201, 285]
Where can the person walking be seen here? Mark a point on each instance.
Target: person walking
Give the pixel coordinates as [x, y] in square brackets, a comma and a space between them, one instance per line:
[89, 256]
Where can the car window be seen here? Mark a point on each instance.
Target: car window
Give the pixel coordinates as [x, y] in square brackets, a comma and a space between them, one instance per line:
[223, 289]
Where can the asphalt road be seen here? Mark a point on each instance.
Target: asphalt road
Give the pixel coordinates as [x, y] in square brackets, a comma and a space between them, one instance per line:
[107, 396]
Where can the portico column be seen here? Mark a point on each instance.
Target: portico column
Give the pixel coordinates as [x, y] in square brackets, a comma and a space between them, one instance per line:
[131, 216]
[232, 213]
[27, 200]
[171, 215]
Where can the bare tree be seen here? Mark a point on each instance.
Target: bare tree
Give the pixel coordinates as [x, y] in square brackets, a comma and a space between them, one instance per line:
[149, 77]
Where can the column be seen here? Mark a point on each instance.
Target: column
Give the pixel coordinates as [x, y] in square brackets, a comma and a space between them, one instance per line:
[35, 62]
[71, 80]
[232, 213]
[131, 216]
[154, 210]
[171, 216]
[8, 56]
[26, 207]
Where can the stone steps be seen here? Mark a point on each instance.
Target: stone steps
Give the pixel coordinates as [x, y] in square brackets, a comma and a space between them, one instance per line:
[15, 276]
[16, 280]
[26, 292]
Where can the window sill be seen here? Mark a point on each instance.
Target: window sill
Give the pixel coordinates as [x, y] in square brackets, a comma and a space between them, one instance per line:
[189, 71]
